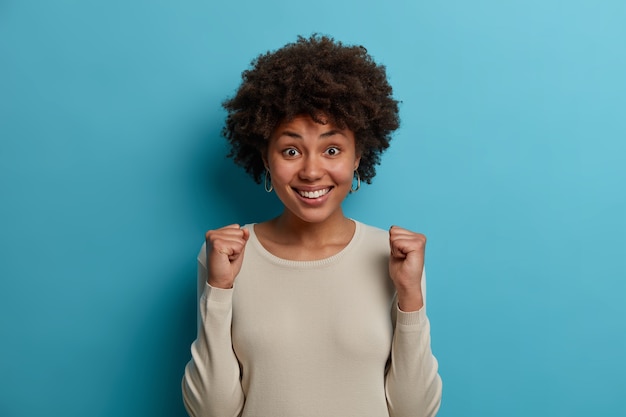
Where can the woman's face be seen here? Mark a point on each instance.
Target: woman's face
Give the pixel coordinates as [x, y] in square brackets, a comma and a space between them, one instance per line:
[312, 166]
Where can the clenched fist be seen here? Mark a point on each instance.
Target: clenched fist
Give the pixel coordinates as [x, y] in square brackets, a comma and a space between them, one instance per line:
[225, 248]
[406, 263]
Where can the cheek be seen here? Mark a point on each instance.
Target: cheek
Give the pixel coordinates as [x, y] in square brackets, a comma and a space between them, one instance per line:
[281, 171]
[344, 174]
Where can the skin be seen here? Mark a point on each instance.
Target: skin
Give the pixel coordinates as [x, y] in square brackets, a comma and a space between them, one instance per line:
[312, 167]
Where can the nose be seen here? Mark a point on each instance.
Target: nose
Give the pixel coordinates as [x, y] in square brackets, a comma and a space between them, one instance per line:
[311, 169]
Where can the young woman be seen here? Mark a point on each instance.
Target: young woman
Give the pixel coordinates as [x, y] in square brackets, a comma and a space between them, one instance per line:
[312, 313]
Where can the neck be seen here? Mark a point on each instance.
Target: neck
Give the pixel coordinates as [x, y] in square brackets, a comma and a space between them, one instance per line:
[296, 231]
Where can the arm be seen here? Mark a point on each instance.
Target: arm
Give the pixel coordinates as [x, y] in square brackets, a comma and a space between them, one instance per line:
[211, 385]
[412, 385]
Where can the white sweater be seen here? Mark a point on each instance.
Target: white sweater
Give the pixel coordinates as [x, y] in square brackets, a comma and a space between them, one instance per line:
[311, 339]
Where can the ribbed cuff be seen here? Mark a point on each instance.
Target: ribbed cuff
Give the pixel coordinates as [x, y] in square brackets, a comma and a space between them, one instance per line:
[412, 318]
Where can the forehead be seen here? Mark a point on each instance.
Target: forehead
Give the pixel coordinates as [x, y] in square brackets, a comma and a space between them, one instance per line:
[306, 124]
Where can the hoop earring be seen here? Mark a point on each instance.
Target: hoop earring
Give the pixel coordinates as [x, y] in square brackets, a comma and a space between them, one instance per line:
[358, 182]
[268, 180]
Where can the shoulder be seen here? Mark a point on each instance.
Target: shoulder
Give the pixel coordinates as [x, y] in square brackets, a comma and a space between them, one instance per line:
[373, 232]
[373, 237]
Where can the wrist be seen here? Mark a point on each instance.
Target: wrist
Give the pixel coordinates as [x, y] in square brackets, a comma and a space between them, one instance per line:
[223, 284]
[410, 300]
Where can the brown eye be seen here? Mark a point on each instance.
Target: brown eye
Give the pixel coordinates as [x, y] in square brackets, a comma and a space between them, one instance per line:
[333, 151]
[291, 152]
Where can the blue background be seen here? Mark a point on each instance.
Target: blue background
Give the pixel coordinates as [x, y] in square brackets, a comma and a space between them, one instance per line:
[511, 158]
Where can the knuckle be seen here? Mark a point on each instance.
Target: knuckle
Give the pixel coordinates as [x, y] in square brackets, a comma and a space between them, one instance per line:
[212, 236]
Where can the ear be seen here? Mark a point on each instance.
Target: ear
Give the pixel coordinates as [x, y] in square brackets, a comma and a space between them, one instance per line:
[265, 163]
[357, 162]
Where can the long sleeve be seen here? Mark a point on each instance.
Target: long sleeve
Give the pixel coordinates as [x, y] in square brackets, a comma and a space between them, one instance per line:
[284, 342]
[211, 385]
[412, 386]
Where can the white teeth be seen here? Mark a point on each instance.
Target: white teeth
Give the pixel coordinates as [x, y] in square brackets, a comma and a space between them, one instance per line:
[314, 194]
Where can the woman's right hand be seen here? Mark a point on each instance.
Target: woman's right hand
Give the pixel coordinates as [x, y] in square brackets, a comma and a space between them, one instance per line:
[225, 248]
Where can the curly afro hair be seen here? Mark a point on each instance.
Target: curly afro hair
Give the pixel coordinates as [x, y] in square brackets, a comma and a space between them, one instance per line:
[319, 77]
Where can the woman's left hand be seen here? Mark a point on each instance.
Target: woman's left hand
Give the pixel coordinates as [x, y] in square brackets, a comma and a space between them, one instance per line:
[406, 264]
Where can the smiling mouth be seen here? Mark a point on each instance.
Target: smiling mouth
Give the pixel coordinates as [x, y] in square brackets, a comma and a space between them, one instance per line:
[314, 194]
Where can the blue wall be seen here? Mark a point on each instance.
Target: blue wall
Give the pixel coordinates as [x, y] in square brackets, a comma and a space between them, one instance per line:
[511, 158]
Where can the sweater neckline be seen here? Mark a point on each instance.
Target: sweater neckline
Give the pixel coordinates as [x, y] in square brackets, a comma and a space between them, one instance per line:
[305, 264]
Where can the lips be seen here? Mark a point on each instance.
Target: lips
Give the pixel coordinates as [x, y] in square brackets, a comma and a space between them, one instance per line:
[313, 194]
